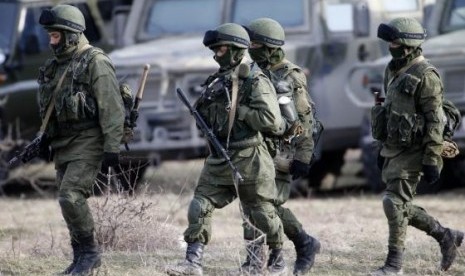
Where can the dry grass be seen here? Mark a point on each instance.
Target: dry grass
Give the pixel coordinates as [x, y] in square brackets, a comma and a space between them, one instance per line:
[352, 229]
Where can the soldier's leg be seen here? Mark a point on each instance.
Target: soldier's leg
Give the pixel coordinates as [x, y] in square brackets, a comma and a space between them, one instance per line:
[259, 209]
[76, 180]
[206, 198]
[447, 238]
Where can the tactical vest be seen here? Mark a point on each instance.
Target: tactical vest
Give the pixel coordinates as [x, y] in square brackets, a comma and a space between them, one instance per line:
[398, 123]
[214, 109]
[75, 105]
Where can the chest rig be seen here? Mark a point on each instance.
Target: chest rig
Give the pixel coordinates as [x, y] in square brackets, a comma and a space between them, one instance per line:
[75, 103]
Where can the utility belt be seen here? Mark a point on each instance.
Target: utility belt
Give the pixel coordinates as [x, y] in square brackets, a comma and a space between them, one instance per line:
[241, 144]
[70, 129]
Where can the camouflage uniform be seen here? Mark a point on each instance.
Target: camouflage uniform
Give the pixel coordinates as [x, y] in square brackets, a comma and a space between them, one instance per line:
[293, 150]
[87, 121]
[410, 126]
[257, 112]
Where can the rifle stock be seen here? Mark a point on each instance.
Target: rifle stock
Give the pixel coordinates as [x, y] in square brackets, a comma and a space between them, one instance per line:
[209, 133]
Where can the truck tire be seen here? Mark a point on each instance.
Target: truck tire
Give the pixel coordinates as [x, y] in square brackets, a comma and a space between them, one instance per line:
[370, 167]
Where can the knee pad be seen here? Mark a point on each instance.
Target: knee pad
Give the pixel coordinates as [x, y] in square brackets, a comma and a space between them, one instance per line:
[265, 220]
[70, 203]
[199, 208]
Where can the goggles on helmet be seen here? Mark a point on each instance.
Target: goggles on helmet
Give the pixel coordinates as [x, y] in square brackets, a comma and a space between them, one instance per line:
[49, 18]
[213, 37]
[254, 36]
[389, 34]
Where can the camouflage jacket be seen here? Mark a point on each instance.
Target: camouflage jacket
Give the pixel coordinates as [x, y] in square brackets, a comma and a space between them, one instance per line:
[88, 115]
[414, 114]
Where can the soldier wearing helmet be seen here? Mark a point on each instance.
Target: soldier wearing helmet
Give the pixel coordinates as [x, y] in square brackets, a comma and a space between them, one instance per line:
[293, 150]
[410, 127]
[82, 112]
[238, 106]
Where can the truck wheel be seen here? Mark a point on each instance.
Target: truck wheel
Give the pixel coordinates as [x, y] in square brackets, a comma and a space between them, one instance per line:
[330, 162]
[453, 174]
[370, 167]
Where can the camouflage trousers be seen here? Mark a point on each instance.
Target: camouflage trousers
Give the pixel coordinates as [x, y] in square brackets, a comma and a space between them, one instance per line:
[256, 203]
[75, 181]
[291, 225]
[402, 175]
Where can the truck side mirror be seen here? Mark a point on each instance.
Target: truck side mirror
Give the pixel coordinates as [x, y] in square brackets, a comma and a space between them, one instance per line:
[120, 16]
[361, 20]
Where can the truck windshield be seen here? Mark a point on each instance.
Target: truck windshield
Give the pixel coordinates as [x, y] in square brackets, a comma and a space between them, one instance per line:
[290, 13]
[456, 18]
[8, 16]
[167, 17]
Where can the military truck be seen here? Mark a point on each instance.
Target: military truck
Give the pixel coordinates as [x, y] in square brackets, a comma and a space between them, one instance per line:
[325, 38]
[445, 49]
[23, 49]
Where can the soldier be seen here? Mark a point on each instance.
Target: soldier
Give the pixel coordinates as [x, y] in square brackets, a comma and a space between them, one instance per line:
[240, 133]
[80, 100]
[410, 126]
[293, 150]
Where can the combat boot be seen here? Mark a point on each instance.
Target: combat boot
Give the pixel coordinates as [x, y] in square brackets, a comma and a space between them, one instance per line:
[255, 260]
[276, 264]
[449, 240]
[393, 264]
[89, 258]
[306, 247]
[192, 265]
[76, 253]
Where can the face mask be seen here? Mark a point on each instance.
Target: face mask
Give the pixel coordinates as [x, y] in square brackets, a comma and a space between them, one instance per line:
[397, 53]
[260, 55]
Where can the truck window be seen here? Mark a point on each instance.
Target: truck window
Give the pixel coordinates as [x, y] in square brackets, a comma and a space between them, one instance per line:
[168, 17]
[400, 5]
[291, 14]
[339, 17]
[8, 13]
[456, 18]
[34, 38]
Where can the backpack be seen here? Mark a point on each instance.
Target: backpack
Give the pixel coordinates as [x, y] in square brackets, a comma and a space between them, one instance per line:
[452, 114]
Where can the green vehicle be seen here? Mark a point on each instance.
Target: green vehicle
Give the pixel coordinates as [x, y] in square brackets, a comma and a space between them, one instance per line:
[445, 49]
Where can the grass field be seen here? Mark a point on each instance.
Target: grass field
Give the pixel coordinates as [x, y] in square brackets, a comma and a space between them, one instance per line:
[351, 228]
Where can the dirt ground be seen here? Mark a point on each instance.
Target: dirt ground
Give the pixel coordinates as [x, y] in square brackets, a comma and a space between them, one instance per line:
[351, 228]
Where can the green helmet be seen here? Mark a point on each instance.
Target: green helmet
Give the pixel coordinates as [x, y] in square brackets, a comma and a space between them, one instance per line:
[63, 17]
[266, 31]
[405, 31]
[227, 34]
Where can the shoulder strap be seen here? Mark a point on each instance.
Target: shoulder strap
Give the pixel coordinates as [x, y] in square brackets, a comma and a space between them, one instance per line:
[415, 61]
[60, 82]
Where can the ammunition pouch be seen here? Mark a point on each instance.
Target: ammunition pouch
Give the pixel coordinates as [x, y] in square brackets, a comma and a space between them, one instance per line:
[405, 129]
[282, 164]
[379, 122]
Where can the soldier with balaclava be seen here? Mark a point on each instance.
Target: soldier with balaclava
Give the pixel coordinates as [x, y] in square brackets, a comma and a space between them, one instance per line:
[410, 126]
[81, 104]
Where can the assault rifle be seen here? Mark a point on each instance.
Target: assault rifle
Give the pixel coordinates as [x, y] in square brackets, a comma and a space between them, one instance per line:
[31, 150]
[209, 133]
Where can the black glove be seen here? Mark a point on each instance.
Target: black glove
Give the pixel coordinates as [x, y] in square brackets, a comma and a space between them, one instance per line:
[298, 169]
[431, 174]
[110, 159]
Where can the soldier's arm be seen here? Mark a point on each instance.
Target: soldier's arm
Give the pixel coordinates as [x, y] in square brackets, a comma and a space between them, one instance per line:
[262, 113]
[431, 96]
[109, 101]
